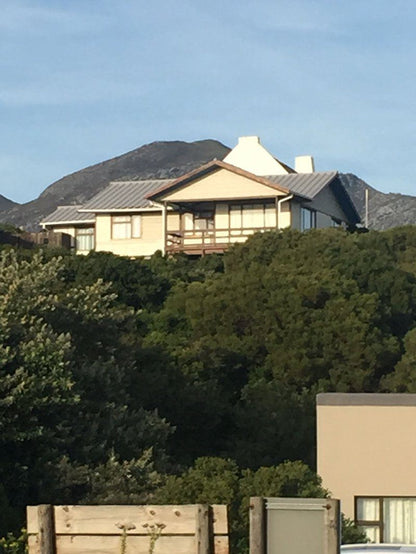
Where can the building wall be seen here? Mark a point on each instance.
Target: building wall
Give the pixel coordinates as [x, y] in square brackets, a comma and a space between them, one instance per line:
[326, 203]
[323, 221]
[249, 154]
[150, 240]
[366, 445]
[223, 185]
[67, 230]
[289, 212]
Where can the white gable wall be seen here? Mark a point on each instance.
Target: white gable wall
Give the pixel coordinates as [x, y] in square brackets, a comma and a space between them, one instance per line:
[250, 154]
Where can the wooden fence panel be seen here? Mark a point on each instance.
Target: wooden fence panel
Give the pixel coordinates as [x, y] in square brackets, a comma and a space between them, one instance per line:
[183, 529]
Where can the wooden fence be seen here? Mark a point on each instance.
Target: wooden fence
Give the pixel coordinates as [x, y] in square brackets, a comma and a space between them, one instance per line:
[188, 529]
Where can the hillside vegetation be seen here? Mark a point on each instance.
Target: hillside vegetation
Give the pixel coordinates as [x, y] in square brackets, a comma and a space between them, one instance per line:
[178, 380]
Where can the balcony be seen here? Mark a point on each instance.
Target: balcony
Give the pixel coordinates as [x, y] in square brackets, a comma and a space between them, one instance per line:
[206, 241]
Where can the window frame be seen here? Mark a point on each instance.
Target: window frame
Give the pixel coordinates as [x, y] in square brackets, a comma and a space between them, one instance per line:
[379, 524]
[129, 222]
[312, 217]
[84, 232]
[241, 209]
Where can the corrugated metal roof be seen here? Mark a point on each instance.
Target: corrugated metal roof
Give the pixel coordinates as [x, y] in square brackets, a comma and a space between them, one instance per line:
[68, 214]
[305, 184]
[124, 195]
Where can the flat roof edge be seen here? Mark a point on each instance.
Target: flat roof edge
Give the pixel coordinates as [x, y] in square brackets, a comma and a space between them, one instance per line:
[365, 399]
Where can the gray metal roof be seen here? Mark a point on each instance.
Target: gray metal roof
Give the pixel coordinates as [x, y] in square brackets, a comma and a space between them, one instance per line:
[123, 195]
[304, 184]
[365, 399]
[67, 214]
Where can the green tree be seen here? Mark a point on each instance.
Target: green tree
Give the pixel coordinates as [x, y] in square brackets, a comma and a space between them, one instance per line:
[67, 368]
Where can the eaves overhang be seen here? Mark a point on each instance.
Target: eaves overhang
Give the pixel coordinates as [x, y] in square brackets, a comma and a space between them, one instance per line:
[206, 169]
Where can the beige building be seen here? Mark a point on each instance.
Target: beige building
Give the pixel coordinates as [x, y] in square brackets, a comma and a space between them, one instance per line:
[366, 451]
[218, 204]
[78, 226]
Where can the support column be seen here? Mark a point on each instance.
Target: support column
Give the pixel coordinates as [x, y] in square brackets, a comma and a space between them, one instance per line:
[164, 226]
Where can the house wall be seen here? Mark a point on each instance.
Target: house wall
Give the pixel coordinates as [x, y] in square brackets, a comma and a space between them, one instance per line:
[59, 229]
[294, 215]
[366, 445]
[323, 221]
[151, 238]
[325, 203]
[223, 185]
[287, 215]
[250, 154]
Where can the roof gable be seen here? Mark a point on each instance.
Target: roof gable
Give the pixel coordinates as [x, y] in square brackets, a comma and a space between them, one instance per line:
[250, 154]
[261, 185]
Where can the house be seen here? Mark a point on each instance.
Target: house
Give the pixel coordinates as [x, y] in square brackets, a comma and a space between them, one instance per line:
[216, 205]
[78, 226]
[366, 450]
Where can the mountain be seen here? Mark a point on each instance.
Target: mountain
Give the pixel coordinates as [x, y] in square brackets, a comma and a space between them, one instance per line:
[6, 204]
[163, 160]
[159, 160]
[384, 210]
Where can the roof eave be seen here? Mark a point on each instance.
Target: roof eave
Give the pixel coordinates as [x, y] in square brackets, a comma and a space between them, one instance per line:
[113, 210]
[208, 168]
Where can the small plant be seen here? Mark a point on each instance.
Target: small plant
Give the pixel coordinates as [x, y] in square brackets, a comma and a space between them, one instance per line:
[125, 527]
[14, 545]
[154, 531]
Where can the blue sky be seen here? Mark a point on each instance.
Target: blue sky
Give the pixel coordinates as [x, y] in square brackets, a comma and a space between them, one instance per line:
[86, 80]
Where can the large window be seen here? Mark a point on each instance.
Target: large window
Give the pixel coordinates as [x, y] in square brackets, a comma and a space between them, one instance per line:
[387, 519]
[307, 219]
[84, 239]
[252, 216]
[126, 226]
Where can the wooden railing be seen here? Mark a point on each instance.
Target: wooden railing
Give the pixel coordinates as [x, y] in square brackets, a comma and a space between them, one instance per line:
[209, 239]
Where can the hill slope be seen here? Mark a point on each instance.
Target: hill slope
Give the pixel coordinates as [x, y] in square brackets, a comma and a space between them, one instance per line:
[6, 204]
[156, 160]
[385, 210]
[171, 159]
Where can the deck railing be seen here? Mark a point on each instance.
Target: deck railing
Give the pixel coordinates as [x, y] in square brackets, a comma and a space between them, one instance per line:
[209, 239]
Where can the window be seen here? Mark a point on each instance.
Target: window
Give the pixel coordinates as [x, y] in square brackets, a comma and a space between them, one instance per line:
[307, 219]
[200, 221]
[126, 226]
[84, 239]
[387, 519]
[252, 216]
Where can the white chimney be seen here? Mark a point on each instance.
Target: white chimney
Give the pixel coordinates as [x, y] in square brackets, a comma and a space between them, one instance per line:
[304, 164]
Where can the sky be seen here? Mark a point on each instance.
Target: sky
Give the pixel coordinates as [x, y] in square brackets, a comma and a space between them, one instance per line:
[82, 81]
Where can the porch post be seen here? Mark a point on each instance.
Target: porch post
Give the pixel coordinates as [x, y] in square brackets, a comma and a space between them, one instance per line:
[277, 206]
[164, 226]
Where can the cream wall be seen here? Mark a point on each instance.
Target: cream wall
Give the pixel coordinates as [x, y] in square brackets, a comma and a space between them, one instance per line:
[223, 185]
[151, 236]
[366, 445]
[60, 229]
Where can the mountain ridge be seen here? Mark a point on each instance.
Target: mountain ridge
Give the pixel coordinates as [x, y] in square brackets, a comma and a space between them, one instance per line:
[171, 159]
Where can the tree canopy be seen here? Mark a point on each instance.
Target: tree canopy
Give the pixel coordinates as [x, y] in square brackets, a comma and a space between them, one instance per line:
[192, 379]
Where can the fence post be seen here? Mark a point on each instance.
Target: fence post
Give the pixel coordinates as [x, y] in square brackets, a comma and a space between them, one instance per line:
[202, 531]
[257, 525]
[46, 529]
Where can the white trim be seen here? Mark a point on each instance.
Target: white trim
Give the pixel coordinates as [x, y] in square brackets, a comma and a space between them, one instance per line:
[121, 210]
[70, 222]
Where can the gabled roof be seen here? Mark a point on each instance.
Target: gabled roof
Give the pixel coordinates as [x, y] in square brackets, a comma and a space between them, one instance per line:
[209, 168]
[124, 195]
[67, 215]
[305, 184]
[311, 184]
